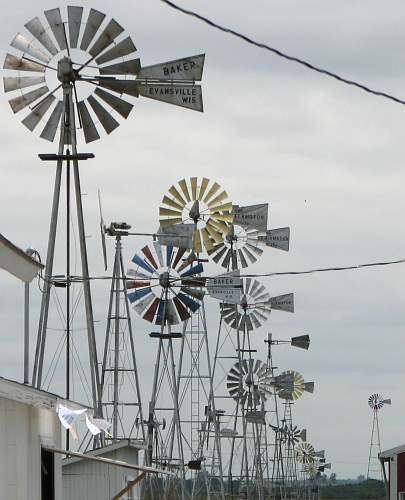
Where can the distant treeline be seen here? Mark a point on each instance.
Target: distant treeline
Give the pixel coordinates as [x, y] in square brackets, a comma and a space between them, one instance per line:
[367, 490]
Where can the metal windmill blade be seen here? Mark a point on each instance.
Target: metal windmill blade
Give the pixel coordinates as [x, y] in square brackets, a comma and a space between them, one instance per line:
[305, 453]
[241, 247]
[57, 42]
[312, 469]
[376, 402]
[292, 391]
[293, 435]
[160, 292]
[103, 231]
[255, 306]
[202, 202]
[249, 382]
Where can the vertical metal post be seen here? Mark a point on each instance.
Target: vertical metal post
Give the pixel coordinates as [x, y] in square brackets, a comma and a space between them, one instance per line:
[94, 371]
[211, 404]
[152, 404]
[116, 337]
[26, 331]
[132, 344]
[67, 288]
[177, 416]
[43, 318]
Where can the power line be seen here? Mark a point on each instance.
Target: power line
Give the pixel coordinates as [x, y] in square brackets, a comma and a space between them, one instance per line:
[80, 279]
[282, 54]
[326, 269]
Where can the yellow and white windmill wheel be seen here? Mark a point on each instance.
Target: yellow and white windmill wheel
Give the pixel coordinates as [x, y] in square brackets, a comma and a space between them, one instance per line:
[202, 202]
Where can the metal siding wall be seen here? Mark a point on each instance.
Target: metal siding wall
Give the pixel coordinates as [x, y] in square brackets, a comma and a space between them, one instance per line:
[86, 480]
[22, 427]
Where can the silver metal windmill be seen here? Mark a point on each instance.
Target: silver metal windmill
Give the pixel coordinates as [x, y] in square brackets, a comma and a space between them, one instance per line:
[204, 204]
[293, 388]
[120, 388]
[246, 236]
[286, 433]
[374, 468]
[69, 70]
[247, 448]
[160, 294]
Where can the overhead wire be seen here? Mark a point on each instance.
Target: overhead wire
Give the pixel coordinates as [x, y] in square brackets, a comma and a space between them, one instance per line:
[80, 279]
[281, 54]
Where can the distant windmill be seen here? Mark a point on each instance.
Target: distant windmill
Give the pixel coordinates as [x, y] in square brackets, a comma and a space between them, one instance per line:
[375, 402]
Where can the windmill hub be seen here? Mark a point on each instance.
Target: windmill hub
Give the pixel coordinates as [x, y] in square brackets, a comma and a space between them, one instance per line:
[66, 73]
[244, 302]
[230, 237]
[164, 280]
[195, 211]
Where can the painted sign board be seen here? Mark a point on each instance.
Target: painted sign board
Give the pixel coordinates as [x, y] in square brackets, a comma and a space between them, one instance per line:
[226, 287]
[187, 68]
[252, 216]
[185, 96]
[278, 238]
[283, 302]
[178, 235]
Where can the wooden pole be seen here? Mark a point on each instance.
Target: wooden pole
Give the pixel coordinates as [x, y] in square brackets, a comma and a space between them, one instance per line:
[129, 486]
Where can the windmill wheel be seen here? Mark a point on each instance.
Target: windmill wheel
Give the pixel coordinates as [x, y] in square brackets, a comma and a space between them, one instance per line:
[293, 435]
[255, 304]
[291, 385]
[305, 453]
[202, 202]
[162, 292]
[78, 52]
[376, 402]
[242, 246]
[249, 382]
[311, 469]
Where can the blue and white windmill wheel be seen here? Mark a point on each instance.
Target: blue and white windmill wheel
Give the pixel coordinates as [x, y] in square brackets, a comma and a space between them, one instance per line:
[165, 289]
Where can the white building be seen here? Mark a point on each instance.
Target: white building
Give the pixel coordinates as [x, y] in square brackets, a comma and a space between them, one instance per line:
[29, 425]
[86, 479]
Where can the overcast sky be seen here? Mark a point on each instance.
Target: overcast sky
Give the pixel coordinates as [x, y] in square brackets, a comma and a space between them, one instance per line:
[328, 158]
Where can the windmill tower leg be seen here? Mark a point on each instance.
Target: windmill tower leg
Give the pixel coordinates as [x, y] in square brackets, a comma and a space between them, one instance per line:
[168, 453]
[194, 379]
[375, 446]
[119, 359]
[68, 137]
[290, 464]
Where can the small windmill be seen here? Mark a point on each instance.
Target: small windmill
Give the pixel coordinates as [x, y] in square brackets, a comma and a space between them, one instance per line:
[290, 392]
[287, 435]
[376, 403]
[238, 322]
[120, 388]
[245, 237]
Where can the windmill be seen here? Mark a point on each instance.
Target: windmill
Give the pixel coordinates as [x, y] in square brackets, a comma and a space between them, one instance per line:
[73, 68]
[120, 389]
[203, 203]
[293, 388]
[159, 293]
[238, 322]
[287, 435]
[245, 237]
[376, 403]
